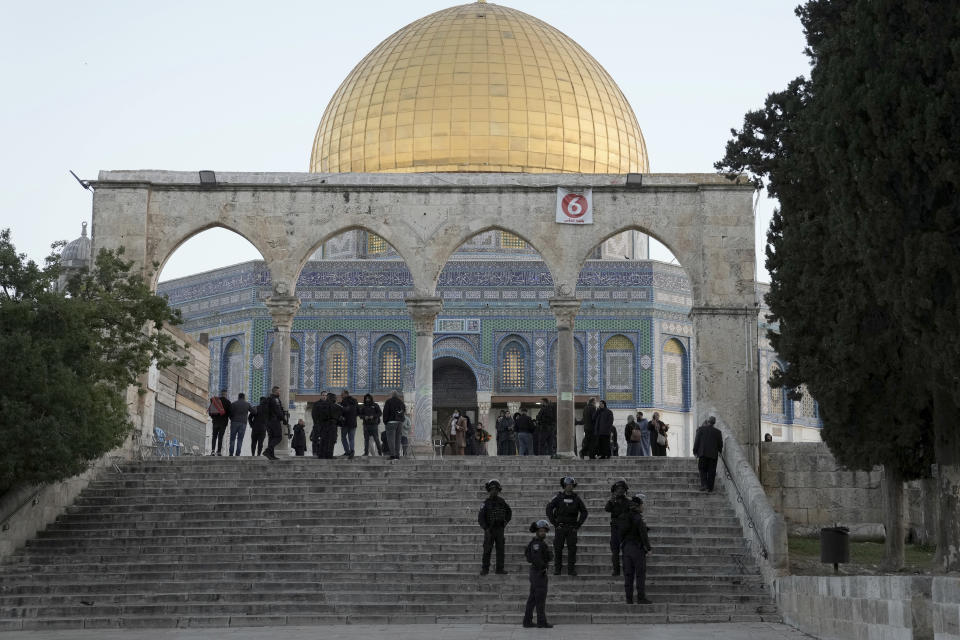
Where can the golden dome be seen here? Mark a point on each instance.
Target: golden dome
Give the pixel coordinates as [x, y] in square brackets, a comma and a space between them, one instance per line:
[479, 87]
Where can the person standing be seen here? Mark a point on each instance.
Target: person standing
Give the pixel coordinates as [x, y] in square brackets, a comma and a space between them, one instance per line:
[299, 442]
[258, 426]
[632, 433]
[614, 442]
[616, 506]
[505, 441]
[239, 414]
[636, 546]
[494, 517]
[567, 513]
[547, 427]
[602, 426]
[275, 419]
[645, 433]
[538, 555]
[524, 428]
[326, 414]
[348, 431]
[707, 447]
[658, 435]
[370, 413]
[219, 411]
[459, 432]
[588, 446]
[393, 411]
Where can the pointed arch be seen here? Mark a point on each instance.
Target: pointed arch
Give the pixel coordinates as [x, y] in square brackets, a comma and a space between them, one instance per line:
[336, 364]
[388, 363]
[513, 374]
[674, 374]
[232, 368]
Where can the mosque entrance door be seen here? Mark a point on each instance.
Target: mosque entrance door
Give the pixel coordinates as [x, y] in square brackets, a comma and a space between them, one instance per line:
[454, 387]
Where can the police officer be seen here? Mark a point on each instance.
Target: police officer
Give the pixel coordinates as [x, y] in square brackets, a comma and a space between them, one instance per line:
[567, 513]
[539, 556]
[616, 506]
[494, 516]
[636, 546]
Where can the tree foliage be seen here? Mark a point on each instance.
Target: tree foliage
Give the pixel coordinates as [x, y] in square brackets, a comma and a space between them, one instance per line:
[68, 358]
[864, 251]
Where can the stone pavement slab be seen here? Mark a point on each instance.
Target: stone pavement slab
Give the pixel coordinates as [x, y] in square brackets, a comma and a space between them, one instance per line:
[737, 631]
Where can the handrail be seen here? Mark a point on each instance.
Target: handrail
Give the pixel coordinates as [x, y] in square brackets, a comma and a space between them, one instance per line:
[746, 507]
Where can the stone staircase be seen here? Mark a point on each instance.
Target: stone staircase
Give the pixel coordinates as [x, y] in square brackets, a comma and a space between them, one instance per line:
[225, 541]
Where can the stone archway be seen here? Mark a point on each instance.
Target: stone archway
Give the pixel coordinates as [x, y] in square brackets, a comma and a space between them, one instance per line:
[454, 387]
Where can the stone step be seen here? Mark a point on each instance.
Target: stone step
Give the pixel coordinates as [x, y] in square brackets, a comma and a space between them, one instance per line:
[242, 542]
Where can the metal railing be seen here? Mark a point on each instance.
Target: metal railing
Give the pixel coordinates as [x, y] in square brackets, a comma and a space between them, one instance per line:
[746, 508]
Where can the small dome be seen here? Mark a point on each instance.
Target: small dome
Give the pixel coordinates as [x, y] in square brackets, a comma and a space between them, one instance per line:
[77, 253]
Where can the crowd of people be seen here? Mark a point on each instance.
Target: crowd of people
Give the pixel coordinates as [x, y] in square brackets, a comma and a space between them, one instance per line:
[331, 415]
[519, 434]
[566, 513]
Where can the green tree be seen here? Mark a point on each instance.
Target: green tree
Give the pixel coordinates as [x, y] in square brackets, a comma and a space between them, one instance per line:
[840, 337]
[69, 358]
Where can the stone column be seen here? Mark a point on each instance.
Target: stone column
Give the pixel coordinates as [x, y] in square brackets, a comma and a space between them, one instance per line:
[424, 313]
[565, 310]
[282, 309]
[483, 415]
[725, 375]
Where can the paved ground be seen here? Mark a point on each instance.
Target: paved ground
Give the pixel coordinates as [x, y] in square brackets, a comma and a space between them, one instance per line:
[745, 631]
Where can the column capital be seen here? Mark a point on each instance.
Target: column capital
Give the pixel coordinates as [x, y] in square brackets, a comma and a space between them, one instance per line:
[424, 312]
[283, 309]
[565, 309]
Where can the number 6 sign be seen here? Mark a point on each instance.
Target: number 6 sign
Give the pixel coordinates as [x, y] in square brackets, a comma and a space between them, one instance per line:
[574, 207]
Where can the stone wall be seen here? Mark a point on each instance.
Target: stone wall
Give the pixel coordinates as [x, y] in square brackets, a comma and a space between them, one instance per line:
[806, 485]
[182, 394]
[883, 607]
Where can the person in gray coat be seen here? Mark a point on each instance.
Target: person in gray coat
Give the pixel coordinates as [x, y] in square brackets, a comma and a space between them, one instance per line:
[239, 414]
[707, 447]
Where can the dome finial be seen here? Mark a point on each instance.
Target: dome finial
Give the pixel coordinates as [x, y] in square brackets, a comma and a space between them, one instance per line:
[83, 233]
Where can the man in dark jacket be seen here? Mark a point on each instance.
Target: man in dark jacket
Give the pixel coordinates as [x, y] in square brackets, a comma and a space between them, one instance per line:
[370, 413]
[326, 416]
[494, 517]
[547, 427]
[707, 447]
[393, 412]
[349, 419]
[239, 414]
[505, 435]
[636, 546]
[275, 419]
[258, 426]
[602, 428]
[616, 506]
[219, 412]
[567, 513]
[588, 446]
[523, 425]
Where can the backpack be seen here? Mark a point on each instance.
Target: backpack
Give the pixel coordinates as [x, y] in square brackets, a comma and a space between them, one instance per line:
[216, 408]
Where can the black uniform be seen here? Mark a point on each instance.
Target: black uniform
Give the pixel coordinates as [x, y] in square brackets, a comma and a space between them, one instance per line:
[616, 507]
[539, 556]
[326, 417]
[275, 418]
[547, 429]
[567, 514]
[370, 413]
[636, 544]
[494, 516]
[258, 427]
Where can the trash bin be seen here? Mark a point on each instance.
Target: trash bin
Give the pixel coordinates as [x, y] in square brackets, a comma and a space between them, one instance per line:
[834, 546]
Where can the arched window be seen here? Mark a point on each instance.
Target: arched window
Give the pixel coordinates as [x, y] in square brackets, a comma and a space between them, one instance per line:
[806, 407]
[390, 367]
[775, 395]
[618, 369]
[513, 366]
[673, 375]
[232, 379]
[337, 365]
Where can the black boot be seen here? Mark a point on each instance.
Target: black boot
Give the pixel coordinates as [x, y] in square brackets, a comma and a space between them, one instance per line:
[616, 565]
[544, 625]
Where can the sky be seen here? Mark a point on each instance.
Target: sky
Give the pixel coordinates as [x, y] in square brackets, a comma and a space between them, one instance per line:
[242, 85]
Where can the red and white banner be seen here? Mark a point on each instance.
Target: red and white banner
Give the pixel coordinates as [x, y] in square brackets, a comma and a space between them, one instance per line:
[574, 207]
